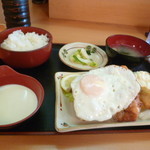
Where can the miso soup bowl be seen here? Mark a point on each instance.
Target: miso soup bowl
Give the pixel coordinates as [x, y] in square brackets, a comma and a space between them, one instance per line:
[25, 59]
[140, 47]
[10, 76]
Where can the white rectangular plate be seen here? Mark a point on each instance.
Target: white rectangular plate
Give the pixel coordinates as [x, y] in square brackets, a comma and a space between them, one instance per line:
[65, 117]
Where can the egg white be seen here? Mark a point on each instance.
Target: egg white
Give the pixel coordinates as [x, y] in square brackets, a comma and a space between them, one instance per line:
[119, 90]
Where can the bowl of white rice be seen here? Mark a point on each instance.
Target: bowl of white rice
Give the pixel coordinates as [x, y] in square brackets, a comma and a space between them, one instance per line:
[25, 47]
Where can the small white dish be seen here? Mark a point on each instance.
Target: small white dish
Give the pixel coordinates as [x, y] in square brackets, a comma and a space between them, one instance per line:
[100, 57]
[65, 117]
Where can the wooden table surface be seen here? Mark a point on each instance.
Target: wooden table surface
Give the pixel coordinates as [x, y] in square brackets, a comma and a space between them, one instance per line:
[65, 31]
[129, 141]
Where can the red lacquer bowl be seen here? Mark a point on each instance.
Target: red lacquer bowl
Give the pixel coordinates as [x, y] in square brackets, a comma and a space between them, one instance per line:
[26, 59]
[135, 49]
[10, 76]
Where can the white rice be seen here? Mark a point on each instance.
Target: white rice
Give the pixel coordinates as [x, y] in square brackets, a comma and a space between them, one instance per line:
[18, 41]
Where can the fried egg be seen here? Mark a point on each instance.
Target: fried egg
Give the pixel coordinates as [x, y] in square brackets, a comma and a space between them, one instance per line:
[101, 93]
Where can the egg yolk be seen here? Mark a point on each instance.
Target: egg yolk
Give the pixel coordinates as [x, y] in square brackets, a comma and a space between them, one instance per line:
[92, 85]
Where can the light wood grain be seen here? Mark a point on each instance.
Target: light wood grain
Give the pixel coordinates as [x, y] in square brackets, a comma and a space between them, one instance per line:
[67, 31]
[125, 12]
[126, 141]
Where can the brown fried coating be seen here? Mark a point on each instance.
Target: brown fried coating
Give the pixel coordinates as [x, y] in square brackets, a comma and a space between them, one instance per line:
[124, 66]
[145, 97]
[131, 113]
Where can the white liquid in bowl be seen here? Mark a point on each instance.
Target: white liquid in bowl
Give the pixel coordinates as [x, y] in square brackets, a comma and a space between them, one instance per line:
[16, 103]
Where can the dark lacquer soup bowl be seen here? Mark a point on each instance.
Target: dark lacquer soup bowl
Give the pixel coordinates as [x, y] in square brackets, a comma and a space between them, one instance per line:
[127, 48]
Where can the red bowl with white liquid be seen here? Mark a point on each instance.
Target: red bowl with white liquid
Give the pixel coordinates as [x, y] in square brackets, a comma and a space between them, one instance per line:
[8, 76]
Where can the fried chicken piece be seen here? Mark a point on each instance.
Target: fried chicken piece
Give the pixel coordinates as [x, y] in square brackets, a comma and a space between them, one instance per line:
[145, 97]
[131, 113]
[124, 66]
